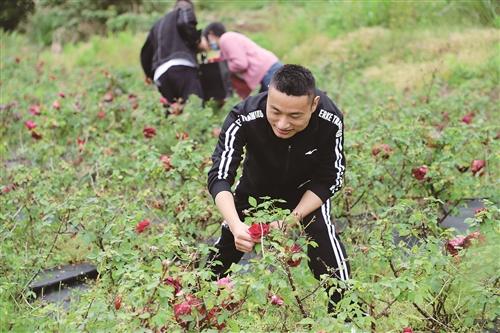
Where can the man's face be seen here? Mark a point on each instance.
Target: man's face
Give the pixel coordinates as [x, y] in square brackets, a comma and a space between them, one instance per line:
[288, 115]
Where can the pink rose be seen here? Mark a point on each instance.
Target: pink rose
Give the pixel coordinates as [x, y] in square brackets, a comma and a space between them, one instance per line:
[30, 124]
[276, 300]
[225, 282]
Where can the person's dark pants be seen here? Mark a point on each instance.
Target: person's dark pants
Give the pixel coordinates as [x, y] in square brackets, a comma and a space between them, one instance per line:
[328, 258]
[180, 82]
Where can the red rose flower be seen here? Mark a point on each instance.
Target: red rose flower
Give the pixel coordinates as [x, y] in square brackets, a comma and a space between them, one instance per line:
[276, 300]
[118, 302]
[258, 230]
[420, 172]
[101, 114]
[141, 226]
[62, 95]
[461, 242]
[453, 245]
[478, 211]
[182, 309]
[468, 118]
[383, 148]
[133, 101]
[294, 249]
[149, 132]
[35, 109]
[10, 187]
[30, 124]
[407, 330]
[477, 165]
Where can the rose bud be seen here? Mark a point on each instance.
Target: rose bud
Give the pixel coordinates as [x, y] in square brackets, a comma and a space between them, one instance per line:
[80, 143]
[216, 132]
[108, 97]
[118, 302]
[167, 164]
[166, 263]
[176, 108]
[407, 330]
[276, 300]
[294, 249]
[164, 101]
[258, 230]
[182, 136]
[467, 119]
[30, 124]
[56, 105]
[149, 132]
[141, 226]
[477, 165]
[35, 135]
[62, 95]
[101, 114]
[420, 172]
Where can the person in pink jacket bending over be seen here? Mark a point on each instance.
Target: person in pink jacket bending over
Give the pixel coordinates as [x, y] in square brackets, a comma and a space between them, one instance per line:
[247, 60]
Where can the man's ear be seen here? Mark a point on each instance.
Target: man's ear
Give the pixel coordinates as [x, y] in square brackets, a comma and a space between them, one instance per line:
[315, 103]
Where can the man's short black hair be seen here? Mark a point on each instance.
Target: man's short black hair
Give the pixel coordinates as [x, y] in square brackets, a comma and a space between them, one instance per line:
[294, 80]
[217, 28]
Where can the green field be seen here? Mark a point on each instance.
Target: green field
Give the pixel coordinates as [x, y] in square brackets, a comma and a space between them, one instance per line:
[405, 74]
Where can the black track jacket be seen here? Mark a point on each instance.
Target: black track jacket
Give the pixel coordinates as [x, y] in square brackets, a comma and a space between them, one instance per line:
[173, 36]
[312, 159]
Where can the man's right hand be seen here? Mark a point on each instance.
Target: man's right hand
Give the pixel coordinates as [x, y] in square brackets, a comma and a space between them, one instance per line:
[242, 239]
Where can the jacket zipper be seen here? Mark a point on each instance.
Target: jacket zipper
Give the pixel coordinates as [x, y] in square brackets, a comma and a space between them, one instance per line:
[287, 164]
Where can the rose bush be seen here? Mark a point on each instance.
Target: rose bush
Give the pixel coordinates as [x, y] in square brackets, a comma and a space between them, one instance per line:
[105, 177]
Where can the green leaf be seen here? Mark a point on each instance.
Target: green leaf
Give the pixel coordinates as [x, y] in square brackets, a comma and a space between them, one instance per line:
[252, 201]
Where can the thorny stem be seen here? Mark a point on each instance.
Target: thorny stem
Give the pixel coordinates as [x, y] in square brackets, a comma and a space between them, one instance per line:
[294, 289]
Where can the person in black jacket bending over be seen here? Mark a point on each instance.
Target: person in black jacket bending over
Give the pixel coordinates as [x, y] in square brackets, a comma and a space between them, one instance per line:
[293, 136]
[168, 56]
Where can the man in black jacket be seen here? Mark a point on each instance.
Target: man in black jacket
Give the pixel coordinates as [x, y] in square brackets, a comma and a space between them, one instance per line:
[293, 135]
[168, 56]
